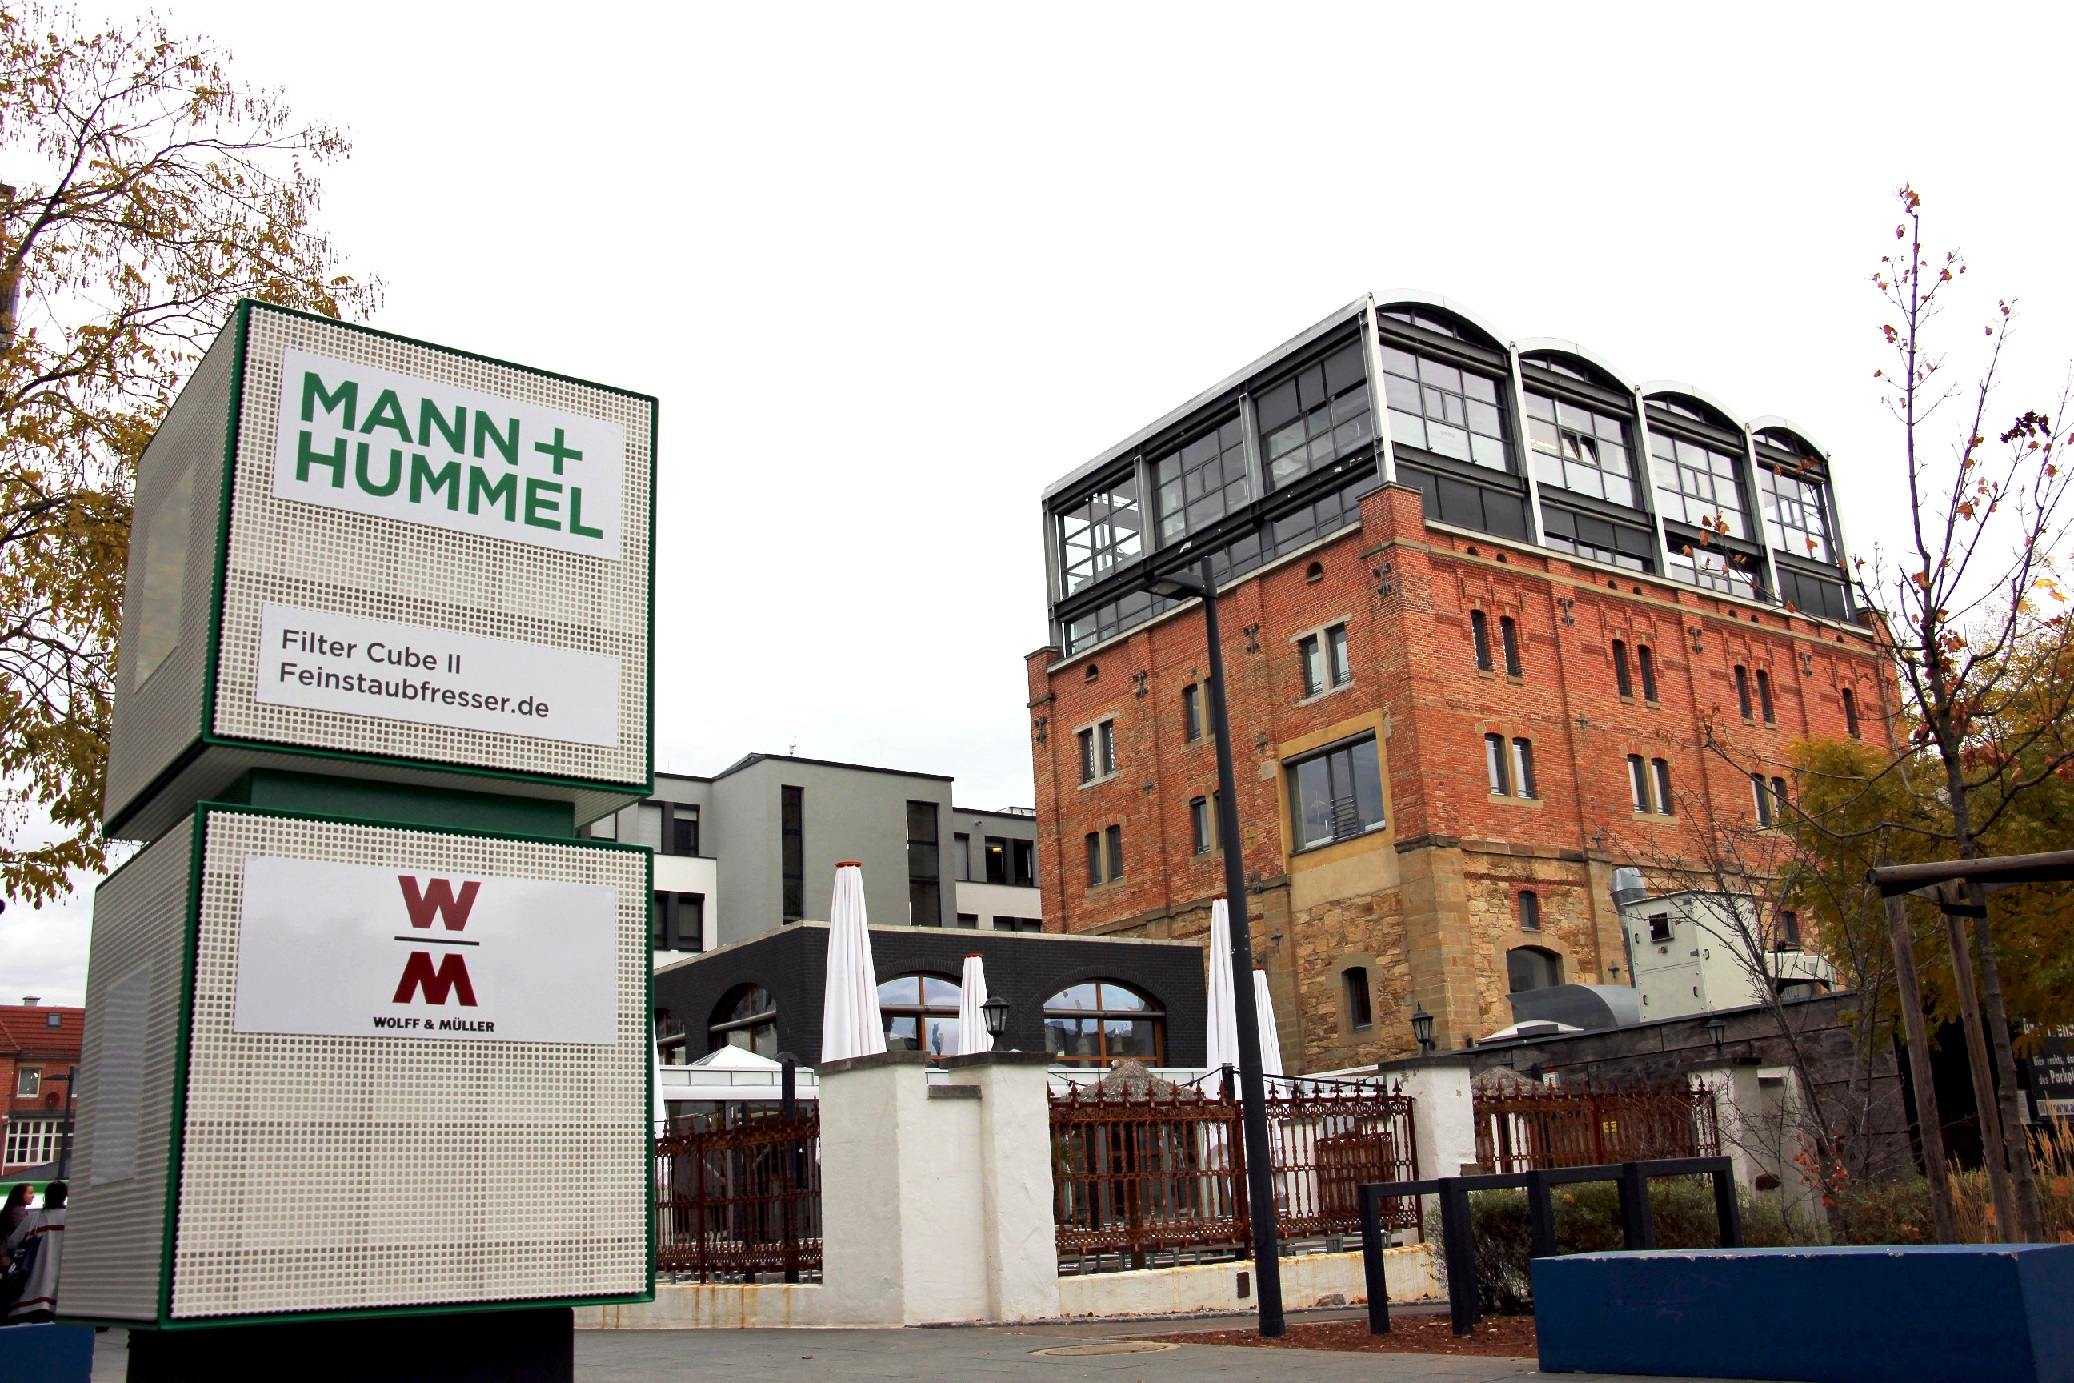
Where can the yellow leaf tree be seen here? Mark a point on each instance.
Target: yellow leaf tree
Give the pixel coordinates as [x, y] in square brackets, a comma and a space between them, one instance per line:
[142, 193]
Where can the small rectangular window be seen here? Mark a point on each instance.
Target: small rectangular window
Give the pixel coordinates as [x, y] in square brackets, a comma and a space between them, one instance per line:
[684, 829]
[1360, 1011]
[1106, 734]
[1022, 863]
[1623, 680]
[1480, 636]
[1529, 911]
[1087, 755]
[1312, 655]
[969, 921]
[792, 849]
[1762, 793]
[1192, 712]
[1199, 824]
[1764, 697]
[1662, 770]
[961, 857]
[1638, 780]
[28, 1082]
[1523, 768]
[1789, 929]
[1743, 691]
[1094, 858]
[996, 851]
[1336, 665]
[1494, 764]
[1660, 926]
[1645, 661]
[1115, 837]
[1508, 635]
[1851, 713]
[688, 923]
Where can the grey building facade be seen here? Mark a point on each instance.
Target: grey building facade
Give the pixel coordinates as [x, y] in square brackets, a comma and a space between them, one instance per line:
[754, 848]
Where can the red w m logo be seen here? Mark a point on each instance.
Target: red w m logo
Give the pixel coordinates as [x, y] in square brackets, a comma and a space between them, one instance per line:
[437, 899]
[451, 977]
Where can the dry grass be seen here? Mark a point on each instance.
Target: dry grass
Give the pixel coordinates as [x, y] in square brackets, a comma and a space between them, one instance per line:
[2052, 1157]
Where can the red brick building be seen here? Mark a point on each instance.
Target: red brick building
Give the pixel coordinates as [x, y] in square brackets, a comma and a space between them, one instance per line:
[1470, 655]
[39, 1048]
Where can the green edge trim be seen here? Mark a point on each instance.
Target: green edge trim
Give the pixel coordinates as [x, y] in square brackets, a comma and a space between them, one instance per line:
[178, 1130]
[221, 575]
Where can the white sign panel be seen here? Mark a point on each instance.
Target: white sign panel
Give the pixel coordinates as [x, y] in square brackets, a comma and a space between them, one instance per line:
[354, 950]
[369, 667]
[376, 442]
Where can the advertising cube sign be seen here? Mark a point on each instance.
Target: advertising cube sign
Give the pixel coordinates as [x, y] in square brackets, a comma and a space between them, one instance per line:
[364, 556]
[338, 1066]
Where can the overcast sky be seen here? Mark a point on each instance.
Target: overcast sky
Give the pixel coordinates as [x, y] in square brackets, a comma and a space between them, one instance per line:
[891, 269]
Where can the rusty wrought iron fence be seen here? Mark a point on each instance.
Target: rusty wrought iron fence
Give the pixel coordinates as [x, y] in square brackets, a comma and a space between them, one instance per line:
[1163, 1168]
[1525, 1129]
[735, 1200]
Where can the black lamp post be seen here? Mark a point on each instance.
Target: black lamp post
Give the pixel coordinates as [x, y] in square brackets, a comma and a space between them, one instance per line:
[994, 1013]
[1260, 1178]
[1422, 1029]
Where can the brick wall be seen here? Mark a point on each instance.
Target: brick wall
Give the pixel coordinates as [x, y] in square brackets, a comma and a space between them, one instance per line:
[1427, 905]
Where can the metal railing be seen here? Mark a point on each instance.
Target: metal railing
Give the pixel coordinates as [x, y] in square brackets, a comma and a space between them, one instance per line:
[1136, 1174]
[1528, 1129]
[1457, 1232]
[735, 1200]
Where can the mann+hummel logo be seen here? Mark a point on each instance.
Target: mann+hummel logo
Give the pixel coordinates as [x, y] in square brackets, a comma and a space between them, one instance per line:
[436, 899]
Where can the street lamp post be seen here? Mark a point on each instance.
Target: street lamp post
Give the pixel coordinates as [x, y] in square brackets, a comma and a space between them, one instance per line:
[1260, 1179]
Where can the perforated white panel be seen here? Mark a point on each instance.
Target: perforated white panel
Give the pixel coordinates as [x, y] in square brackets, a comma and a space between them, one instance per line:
[327, 1173]
[315, 557]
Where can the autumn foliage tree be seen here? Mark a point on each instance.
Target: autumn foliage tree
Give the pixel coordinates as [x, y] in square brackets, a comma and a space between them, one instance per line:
[142, 192]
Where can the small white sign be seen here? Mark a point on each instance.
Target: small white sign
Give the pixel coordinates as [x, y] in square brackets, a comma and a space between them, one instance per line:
[368, 667]
[355, 950]
[376, 442]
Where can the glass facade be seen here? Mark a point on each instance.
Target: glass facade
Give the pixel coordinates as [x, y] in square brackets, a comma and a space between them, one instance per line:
[1697, 484]
[1580, 449]
[1099, 533]
[1315, 417]
[1201, 482]
[1713, 569]
[1444, 409]
[1793, 515]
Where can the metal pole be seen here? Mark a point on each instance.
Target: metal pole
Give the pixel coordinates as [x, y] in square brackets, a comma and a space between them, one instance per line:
[1458, 1252]
[1727, 1214]
[1260, 1172]
[1372, 1259]
[788, 1166]
[65, 1148]
[1636, 1229]
[1541, 1214]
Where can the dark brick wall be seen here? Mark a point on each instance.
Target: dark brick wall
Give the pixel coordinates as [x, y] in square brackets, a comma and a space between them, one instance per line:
[1023, 968]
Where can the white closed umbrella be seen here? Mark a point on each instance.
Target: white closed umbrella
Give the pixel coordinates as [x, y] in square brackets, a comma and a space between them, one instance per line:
[1222, 1041]
[850, 1023]
[972, 1024]
[1270, 1035]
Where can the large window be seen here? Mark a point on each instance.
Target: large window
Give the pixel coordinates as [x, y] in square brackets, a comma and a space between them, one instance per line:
[746, 1017]
[1597, 540]
[1580, 449]
[1445, 410]
[1696, 484]
[32, 1142]
[1099, 534]
[920, 1013]
[1711, 568]
[792, 850]
[924, 869]
[1011, 861]
[1793, 515]
[1101, 1021]
[1337, 794]
[1531, 967]
[1201, 482]
[679, 921]
[1316, 416]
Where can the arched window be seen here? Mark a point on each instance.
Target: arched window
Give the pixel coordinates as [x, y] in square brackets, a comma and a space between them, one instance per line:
[746, 1016]
[1100, 1022]
[1531, 967]
[921, 1014]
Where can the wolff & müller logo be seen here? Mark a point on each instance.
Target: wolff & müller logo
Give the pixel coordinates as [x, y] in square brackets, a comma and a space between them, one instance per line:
[436, 900]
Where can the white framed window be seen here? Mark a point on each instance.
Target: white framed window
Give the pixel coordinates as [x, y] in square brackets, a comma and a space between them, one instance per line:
[1324, 659]
[32, 1142]
[1638, 782]
[28, 1082]
[1523, 768]
[1495, 766]
[1097, 751]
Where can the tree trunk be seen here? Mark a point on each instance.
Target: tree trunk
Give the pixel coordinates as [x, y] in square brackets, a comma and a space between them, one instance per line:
[1984, 1105]
[2016, 1136]
[1935, 1169]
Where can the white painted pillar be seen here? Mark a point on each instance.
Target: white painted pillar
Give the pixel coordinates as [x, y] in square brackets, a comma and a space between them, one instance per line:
[1444, 1119]
[1019, 1233]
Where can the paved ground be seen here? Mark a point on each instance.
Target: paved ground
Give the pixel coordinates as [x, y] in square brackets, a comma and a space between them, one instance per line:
[989, 1353]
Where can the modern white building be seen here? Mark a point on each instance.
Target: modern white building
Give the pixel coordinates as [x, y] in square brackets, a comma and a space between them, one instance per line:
[1699, 951]
[754, 848]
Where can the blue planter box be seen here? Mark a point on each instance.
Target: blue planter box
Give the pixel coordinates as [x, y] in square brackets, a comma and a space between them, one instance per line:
[46, 1353]
[1963, 1313]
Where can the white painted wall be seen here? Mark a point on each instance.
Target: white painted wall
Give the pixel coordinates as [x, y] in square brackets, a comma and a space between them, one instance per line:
[989, 901]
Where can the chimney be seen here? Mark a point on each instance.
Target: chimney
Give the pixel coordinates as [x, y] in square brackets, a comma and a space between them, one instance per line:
[31, 1000]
